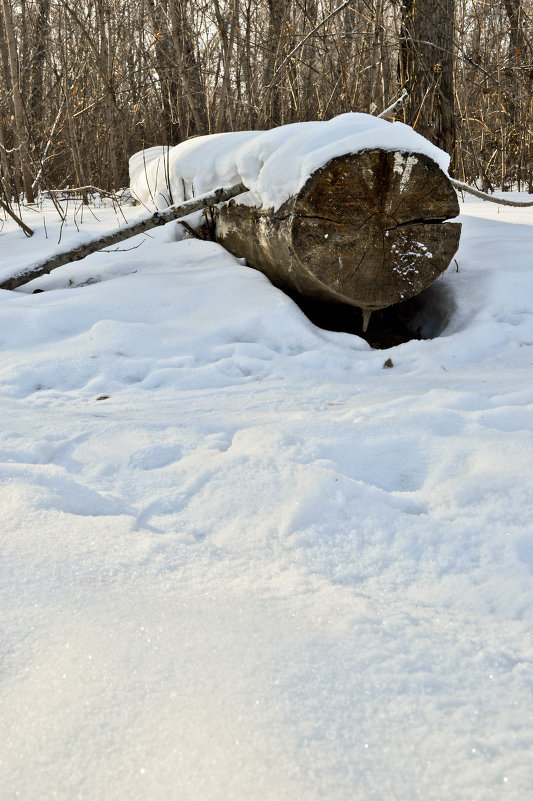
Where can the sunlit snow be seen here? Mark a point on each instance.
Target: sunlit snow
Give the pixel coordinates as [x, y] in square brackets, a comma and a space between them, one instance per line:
[243, 561]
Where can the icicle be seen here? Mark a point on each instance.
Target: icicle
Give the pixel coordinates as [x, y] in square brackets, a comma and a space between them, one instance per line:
[367, 313]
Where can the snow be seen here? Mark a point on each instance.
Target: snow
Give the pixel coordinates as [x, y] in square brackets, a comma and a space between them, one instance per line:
[241, 559]
[273, 164]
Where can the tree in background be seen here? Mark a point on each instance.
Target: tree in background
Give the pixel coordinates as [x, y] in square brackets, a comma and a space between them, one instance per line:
[89, 82]
[21, 149]
[426, 68]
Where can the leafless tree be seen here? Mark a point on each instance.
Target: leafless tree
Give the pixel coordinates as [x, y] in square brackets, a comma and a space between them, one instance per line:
[88, 82]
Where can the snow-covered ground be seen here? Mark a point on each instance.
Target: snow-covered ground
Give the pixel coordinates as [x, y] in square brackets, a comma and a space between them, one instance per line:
[242, 560]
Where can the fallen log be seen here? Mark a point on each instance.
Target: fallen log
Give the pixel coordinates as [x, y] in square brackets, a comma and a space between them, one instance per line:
[368, 229]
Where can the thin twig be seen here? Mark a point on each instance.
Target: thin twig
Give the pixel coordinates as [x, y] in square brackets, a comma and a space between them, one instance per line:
[124, 250]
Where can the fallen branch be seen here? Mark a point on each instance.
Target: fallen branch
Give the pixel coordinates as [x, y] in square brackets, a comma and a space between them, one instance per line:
[77, 190]
[119, 235]
[28, 231]
[484, 196]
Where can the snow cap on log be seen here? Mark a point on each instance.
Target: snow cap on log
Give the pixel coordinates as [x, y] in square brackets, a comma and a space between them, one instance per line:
[353, 210]
[273, 164]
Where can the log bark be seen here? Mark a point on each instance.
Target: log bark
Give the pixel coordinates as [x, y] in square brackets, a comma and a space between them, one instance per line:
[367, 229]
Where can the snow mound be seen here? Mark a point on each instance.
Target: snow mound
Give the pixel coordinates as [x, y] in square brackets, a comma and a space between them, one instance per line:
[273, 164]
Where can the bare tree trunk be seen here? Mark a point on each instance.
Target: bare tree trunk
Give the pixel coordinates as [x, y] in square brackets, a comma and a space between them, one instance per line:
[71, 125]
[278, 16]
[171, 123]
[177, 36]
[228, 42]
[376, 64]
[511, 96]
[309, 61]
[5, 184]
[103, 12]
[427, 68]
[38, 56]
[18, 108]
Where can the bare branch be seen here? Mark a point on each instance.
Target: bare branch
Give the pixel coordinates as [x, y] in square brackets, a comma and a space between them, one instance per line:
[484, 196]
[141, 226]
[28, 231]
[397, 104]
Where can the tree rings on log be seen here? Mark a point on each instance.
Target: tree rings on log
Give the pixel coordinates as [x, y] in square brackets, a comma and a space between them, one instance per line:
[367, 229]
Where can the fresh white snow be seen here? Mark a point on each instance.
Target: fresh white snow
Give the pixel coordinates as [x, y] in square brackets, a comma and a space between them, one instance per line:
[273, 164]
[261, 566]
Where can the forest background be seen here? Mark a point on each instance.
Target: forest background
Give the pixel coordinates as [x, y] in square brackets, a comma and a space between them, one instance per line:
[86, 83]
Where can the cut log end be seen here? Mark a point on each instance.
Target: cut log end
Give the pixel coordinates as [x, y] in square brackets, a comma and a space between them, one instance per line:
[367, 229]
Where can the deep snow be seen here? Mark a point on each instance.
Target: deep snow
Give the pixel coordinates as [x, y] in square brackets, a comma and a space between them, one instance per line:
[263, 566]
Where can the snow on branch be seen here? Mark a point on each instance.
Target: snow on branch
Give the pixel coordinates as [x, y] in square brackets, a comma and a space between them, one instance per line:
[397, 104]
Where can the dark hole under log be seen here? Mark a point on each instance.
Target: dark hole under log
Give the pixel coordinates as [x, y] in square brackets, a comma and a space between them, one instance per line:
[399, 323]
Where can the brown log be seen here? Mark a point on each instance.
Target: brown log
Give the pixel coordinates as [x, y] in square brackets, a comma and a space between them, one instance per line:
[366, 229]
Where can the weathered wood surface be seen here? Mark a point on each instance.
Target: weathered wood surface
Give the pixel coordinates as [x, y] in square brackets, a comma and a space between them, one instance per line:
[366, 229]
